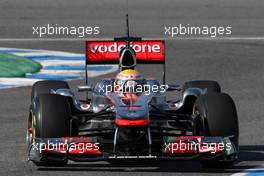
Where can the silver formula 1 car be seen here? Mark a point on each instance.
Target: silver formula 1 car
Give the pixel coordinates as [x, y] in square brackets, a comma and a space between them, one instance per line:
[113, 123]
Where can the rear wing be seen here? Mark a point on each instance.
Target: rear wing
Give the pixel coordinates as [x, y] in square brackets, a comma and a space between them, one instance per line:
[126, 51]
[111, 52]
[108, 51]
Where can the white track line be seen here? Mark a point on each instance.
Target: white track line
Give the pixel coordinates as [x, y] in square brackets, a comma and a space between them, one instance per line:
[259, 170]
[45, 63]
[91, 73]
[45, 53]
[215, 38]
[17, 82]
[162, 38]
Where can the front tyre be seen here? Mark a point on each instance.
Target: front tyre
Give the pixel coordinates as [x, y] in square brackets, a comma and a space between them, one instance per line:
[45, 87]
[49, 118]
[219, 116]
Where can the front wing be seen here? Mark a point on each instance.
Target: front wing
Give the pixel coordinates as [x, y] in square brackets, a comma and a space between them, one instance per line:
[90, 149]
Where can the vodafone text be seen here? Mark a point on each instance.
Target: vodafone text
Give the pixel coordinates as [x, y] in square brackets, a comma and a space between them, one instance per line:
[155, 48]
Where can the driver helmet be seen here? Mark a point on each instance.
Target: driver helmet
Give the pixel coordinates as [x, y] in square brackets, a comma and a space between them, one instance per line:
[128, 81]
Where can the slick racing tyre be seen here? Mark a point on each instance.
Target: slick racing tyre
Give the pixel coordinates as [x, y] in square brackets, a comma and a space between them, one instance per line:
[211, 86]
[44, 87]
[49, 118]
[218, 115]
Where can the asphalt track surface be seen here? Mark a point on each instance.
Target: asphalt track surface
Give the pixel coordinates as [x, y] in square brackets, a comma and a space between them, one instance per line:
[236, 64]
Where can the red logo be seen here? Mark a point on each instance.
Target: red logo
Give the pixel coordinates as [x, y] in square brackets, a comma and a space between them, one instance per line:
[108, 51]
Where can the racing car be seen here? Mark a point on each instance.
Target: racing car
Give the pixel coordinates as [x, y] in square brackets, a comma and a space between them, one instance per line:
[128, 117]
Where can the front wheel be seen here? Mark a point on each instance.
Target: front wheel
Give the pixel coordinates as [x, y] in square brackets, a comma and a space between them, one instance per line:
[49, 118]
[44, 87]
[218, 113]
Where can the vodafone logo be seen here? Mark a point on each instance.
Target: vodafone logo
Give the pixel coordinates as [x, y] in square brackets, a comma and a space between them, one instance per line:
[107, 52]
[117, 48]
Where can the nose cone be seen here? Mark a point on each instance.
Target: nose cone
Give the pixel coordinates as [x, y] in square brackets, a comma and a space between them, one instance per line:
[128, 59]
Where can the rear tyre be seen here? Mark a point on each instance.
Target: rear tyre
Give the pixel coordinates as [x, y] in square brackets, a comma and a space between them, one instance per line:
[50, 119]
[219, 116]
[211, 86]
[44, 87]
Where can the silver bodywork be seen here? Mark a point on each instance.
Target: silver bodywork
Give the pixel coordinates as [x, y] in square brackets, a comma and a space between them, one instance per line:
[101, 102]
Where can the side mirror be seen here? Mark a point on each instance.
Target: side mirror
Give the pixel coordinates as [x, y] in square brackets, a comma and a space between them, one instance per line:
[85, 88]
[173, 87]
[63, 92]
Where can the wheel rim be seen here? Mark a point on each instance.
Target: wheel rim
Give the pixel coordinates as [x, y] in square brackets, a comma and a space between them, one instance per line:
[30, 131]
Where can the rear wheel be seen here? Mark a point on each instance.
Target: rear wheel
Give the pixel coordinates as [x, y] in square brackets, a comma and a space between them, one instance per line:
[44, 87]
[211, 86]
[218, 115]
[50, 118]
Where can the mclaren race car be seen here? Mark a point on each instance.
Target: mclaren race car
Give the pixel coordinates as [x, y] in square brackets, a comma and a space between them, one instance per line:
[128, 117]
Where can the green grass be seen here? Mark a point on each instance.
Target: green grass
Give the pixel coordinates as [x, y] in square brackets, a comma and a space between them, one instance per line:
[16, 66]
